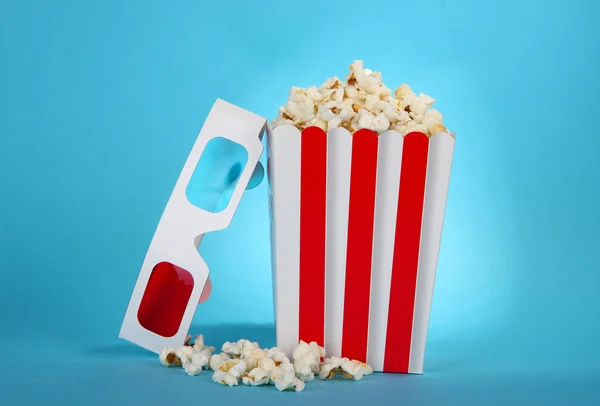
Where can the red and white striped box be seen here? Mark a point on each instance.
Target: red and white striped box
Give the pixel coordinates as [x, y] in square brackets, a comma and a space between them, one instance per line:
[356, 223]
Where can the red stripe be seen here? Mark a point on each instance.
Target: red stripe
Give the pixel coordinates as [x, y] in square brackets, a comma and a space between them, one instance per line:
[406, 252]
[361, 215]
[313, 187]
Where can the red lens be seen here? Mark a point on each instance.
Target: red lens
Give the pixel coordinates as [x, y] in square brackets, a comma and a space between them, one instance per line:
[165, 299]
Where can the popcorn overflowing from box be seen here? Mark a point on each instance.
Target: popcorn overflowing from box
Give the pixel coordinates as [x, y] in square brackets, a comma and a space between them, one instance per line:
[361, 102]
[358, 179]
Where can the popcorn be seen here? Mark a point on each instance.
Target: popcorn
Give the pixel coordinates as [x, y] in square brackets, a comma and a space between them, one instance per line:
[256, 377]
[349, 368]
[224, 378]
[380, 123]
[330, 368]
[309, 355]
[355, 369]
[230, 372]
[303, 371]
[253, 358]
[278, 356]
[362, 102]
[245, 360]
[192, 369]
[284, 378]
[234, 350]
[184, 354]
[168, 357]
[202, 358]
[217, 360]
[266, 364]
[439, 128]
[199, 344]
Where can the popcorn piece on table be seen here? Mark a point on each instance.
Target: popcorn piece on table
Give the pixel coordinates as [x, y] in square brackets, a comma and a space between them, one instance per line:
[303, 371]
[200, 346]
[355, 369]
[247, 347]
[309, 354]
[277, 356]
[267, 364]
[349, 368]
[233, 349]
[217, 360]
[253, 358]
[330, 367]
[284, 378]
[256, 377]
[192, 369]
[184, 354]
[168, 357]
[202, 358]
[229, 372]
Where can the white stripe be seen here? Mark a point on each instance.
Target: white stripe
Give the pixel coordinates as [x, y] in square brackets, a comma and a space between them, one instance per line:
[339, 158]
[284, 177]
[386, 207]
[441, 147]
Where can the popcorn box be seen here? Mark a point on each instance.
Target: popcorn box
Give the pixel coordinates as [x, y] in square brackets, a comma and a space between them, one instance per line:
[356, 223]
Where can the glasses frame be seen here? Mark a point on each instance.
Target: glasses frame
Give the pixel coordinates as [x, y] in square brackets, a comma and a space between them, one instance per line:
[182, 224]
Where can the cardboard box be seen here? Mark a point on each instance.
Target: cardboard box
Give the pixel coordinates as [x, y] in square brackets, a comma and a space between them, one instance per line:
[356, 223]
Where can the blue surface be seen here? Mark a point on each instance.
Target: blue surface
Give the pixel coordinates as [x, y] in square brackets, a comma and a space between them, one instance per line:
[101, 101]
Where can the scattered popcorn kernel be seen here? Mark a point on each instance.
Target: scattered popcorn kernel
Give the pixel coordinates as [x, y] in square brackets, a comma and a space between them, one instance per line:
[309, 354]
[298, 385]
[355, 369]
[192, 369]
[224, 378]
[232, 349]
[320, 350]
[229, 372]
[256, 377]
[167, 357]
[202, 358]
[283, 377]
[247, 347]
[348, 368]
[303, 371]
[217, 360]
[330, 367]
[278, 356]
[266, 364]
[188, 338]
[184, 354]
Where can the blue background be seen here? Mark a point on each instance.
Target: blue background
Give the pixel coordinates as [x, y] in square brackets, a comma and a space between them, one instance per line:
[101, 101]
